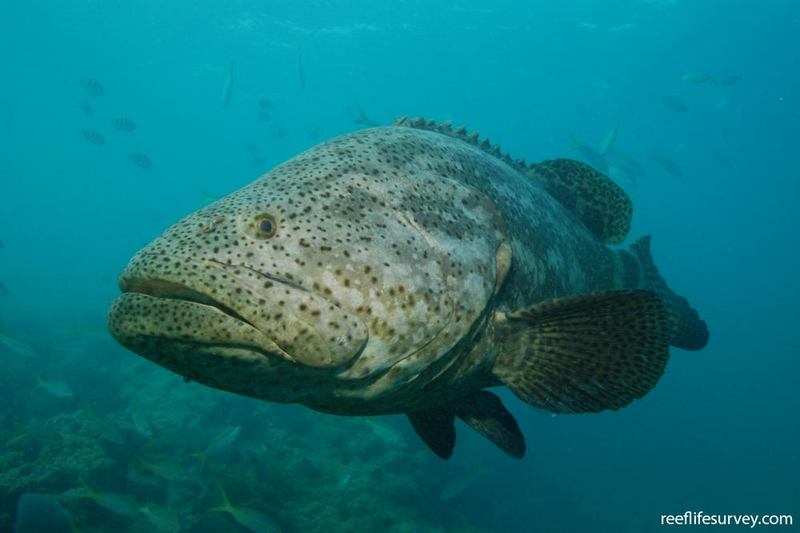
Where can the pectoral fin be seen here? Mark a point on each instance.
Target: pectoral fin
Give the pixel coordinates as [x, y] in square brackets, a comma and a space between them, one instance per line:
[584, 353]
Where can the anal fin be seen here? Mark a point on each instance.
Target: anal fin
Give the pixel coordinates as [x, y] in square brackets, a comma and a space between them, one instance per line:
[584, 353]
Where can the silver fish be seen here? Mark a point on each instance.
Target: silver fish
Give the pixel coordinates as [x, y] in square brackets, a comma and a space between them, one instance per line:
[626, 163]
[362, 119]
[609, 140]
[228, 88]
[142, 424]
[301, 75]
[727, 81]
[590, 155]
[404, 269]
[672, 102]
[667, 164]
[697, 78]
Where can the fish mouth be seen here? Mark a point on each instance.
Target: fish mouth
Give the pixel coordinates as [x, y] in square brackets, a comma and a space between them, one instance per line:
[203, 302]
[176, 291]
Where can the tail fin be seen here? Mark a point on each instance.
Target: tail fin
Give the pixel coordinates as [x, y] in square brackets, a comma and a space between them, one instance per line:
[687, 330]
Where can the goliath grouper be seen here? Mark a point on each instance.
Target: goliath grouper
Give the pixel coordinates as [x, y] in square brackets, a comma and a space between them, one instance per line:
[406, 269]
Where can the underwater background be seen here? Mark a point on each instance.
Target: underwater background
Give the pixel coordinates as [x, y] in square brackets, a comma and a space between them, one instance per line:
[119, 118]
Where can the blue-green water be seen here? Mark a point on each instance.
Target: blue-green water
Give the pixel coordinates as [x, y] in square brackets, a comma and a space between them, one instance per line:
[720, 431]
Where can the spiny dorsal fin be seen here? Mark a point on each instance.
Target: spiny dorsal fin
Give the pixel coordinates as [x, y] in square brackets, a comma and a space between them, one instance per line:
[461, 133]
[591, 196]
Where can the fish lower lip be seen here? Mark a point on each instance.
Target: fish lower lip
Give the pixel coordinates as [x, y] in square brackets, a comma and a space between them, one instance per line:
[175, 291]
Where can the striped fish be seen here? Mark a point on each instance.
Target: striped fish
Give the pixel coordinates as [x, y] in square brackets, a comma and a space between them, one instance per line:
[123, 124]
[93, 136]
[92, 87]
[87, 108]
[142, 161]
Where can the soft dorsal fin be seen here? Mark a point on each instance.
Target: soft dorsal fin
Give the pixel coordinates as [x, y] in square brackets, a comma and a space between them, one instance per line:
[592, 197]
[598, 202]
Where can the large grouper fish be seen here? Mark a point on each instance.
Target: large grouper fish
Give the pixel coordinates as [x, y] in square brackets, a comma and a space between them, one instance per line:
[407, 269]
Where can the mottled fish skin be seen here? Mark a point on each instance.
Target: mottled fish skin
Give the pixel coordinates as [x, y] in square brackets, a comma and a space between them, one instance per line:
[394, 246]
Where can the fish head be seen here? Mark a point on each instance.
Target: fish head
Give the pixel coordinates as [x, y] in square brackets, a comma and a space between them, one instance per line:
[322, 274]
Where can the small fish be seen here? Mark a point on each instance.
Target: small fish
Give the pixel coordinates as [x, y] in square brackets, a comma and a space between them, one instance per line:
[459, 484]
[363, 119]
[314, 131]
[163, 518]
[93, 136]
[252, 519]
[43, 434]
[226, 91]
[37, 513]
[222, 440]
[608, 141]
[621, 27]
[87, 108]
[727, 81]
[92, 87]
[109, 429]
[592, 156]
[301, 76]
[697, 78]
[672, 102]
[721, 160]
[206, 198]
[258, 162]
[142, 424]
[54, 387]
[250, 147]
[344, 481]
[18, 346]
[166, 469]
[723, 101]
[626, 163]
[667, 164]
[278, 132]
[123, 124]
[386, 433]
[264, 116]
[120, 504]
[3, 290]
[142, 161]
[265, 104]
[621, 176]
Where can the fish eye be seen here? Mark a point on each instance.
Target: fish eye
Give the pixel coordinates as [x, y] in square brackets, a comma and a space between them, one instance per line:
[265, 226]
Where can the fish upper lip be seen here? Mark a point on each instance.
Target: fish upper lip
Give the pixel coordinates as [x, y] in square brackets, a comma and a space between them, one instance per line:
[176, 291]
